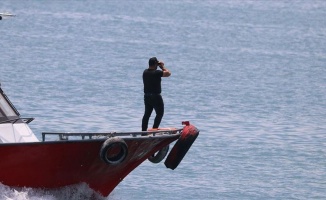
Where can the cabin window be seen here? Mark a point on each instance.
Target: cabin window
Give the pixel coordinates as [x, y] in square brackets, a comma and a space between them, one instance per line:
[6, 109]
[1, 114]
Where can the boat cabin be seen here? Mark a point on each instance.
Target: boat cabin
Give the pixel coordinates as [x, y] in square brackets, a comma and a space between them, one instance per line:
[13, 128]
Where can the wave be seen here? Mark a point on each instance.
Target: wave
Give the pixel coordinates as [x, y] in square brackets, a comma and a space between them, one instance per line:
[73, 192]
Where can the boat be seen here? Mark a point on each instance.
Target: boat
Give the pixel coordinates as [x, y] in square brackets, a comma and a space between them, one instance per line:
[2, 15]
[101, 160]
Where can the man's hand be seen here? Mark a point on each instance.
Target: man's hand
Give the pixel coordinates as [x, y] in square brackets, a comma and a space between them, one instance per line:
[161, 64]
[166, 72]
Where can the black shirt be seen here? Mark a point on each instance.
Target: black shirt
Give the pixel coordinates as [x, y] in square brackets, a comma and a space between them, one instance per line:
[152, 81]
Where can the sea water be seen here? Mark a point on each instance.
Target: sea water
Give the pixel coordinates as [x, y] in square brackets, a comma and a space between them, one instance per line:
[251, 75]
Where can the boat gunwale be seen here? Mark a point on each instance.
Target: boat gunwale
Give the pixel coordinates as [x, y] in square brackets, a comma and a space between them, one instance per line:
[103, 136]
[155, 133]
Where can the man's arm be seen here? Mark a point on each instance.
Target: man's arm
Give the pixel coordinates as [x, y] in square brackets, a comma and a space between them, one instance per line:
[166, 72]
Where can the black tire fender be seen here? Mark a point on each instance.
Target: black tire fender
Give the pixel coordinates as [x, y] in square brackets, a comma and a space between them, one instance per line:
[117, 158]
[181, 147]
[160, 155]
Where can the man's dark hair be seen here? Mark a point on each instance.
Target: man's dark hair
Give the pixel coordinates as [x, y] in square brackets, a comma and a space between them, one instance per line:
[152, 61]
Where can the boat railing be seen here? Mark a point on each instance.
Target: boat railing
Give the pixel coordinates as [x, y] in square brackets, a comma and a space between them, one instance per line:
[66, 135]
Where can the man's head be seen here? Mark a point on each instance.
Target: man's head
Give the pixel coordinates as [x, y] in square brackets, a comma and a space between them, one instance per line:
[153, 62]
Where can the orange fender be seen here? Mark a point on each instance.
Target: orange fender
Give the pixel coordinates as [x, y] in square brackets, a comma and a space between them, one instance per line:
[181, 147]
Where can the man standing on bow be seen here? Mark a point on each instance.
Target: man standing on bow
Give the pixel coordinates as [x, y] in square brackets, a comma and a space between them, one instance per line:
[152, 91]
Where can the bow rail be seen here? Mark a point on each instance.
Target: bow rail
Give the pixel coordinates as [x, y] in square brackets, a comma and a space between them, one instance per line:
[66, 135]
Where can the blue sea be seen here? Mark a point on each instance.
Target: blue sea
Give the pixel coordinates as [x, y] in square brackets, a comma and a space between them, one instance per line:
[250, 74]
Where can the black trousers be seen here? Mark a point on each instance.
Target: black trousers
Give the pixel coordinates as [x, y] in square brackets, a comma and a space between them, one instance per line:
[153, 101]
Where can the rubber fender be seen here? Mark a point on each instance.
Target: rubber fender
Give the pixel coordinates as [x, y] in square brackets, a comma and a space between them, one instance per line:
[115, 143]
[181, 147]
[160, 155]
